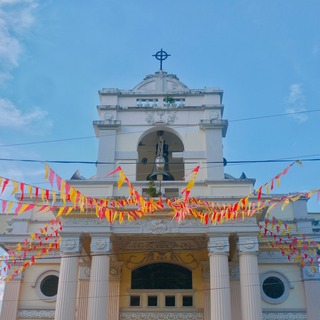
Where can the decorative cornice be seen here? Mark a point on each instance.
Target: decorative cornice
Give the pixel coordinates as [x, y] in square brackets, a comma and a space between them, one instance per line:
[35, 314]
[161, 315]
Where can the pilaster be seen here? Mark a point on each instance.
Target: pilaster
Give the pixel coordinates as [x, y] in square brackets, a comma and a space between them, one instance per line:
[311, 280]
[206, 289]
[11, 298]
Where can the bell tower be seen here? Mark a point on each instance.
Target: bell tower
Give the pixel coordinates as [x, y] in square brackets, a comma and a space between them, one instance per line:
[161, 130]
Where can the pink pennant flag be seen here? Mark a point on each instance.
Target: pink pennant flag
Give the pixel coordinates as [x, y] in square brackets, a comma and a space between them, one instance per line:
[58, 179]
[51, 177]
[114, 171]
[4, 205]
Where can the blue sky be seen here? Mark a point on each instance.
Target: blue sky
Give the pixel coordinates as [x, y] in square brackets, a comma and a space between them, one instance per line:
[264, 54]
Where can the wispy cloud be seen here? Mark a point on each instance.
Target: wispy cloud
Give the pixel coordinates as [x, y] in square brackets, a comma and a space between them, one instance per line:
[296, 103]
[16, 18]
[15, 118]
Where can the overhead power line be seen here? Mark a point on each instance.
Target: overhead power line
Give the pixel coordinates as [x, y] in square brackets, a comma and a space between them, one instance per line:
[91, 137]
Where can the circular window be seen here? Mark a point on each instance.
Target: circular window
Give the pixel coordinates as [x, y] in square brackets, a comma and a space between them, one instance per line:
[46, 285]
[49, 286]
[275, 287]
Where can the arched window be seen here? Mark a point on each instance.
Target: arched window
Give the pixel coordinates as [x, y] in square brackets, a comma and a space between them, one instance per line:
[161, 276]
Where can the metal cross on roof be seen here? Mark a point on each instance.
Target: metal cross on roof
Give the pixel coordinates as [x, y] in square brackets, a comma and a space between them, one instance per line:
[161, 55]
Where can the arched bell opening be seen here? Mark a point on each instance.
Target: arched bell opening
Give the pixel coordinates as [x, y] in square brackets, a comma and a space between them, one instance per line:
[160, 156]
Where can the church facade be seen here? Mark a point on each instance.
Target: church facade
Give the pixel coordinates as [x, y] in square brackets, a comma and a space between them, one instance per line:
[156, 266]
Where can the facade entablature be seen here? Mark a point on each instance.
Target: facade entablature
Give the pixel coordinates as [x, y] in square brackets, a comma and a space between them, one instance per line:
[157, 226]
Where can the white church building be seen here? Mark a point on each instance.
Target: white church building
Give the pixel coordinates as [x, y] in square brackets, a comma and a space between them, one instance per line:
[155, 267]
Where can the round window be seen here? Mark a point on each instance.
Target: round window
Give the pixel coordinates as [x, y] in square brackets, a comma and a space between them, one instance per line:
[49, 286]
[275, 287]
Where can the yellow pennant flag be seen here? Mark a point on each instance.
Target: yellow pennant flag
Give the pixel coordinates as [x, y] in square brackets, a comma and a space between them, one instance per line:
[122, 178]
[60, 211]
[285, 203]
[10, 206]
[23, 208]
[46, 172]
[15, 187]
[30, 191]
[73, 196]
[69, 210]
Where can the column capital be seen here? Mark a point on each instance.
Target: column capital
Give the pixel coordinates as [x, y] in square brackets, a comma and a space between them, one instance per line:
[310, 273]
[70, 244]
[100, 243]
[218, 245]
[248, 244]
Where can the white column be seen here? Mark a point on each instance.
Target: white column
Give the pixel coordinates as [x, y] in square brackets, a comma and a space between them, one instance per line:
[98, 305]
[219, 278]
[68, 279]
[10, 299]
[249, 278]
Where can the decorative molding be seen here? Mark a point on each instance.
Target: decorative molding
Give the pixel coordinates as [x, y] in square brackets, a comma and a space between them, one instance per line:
[100, 243]
[310, 273]
[248, 245]
[218, 245]
[161, 116]
[85, 221]
[152, 257]
[284, 316]
[158, 226]
[36, 314]
[161, 315]
[150, 243]
[70, 245]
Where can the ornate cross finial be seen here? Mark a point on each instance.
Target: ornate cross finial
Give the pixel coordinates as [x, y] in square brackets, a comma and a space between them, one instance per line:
[161, 55]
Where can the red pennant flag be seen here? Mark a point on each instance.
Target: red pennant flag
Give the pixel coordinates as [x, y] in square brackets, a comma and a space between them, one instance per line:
[5, 183]
[22, 191]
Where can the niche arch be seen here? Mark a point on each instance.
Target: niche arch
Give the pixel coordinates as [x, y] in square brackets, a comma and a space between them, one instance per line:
[147, 148]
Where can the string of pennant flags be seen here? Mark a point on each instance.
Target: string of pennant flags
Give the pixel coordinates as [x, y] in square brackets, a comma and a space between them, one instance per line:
[63, 199]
